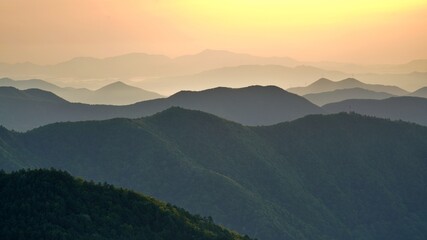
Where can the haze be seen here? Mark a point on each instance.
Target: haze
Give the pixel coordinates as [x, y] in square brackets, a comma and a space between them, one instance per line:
[346, 31]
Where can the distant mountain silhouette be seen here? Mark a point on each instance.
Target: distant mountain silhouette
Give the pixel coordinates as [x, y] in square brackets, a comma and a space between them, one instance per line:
[240, 76]
[411, 109]
[339, 95]
[141, 65]
[422, 92]
[326, 85]
[332, 177]
[119, 93]
[35, 95]
[409, 81]
[116, 93]
[253, 105]
[81, 71]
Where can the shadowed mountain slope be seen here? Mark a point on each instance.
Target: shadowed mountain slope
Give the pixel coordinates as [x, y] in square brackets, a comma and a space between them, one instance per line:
[253, 105]
[411, 109]
[340, 176]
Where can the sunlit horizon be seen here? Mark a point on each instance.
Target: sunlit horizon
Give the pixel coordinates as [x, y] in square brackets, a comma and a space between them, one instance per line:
[363, 32]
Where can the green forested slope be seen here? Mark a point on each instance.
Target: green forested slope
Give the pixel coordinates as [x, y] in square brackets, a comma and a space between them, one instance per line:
[48, 204]
[340, 176]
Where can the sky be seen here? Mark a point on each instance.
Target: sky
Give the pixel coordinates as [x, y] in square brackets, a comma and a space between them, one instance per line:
[358, 31]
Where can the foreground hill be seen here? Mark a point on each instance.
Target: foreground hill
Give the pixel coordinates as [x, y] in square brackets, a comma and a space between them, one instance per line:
[116, 93]
[339, 95]
[412, 109]
[326, 85]
[255, 105]
[42, 204]
[339, 176]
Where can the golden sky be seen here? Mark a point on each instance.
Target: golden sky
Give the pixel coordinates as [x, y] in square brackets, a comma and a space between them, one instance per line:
[361, 31]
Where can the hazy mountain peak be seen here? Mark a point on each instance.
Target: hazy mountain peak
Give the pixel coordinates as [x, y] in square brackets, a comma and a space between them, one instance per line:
[210, 52]
[350, 81]
[118, 85]
[322, 81]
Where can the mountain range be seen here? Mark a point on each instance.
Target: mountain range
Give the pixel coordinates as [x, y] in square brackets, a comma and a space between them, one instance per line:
[326, 85]
[49, 204]
[175, 73]
[240, 76]
[339, 95]
[141, 65]
[256, 105]
[342, 176]
[413, 109]
[116, 93]
[281, 76]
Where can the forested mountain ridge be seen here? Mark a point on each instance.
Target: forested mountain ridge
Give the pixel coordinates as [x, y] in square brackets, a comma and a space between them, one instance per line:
[412, 109]
[50, 204]
[318, 177]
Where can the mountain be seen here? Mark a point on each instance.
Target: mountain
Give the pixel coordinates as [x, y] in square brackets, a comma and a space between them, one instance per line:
[116, 93]
[339, 95]
[342, 176]
[139, 65]
[119, 93]
[145, 68]
[411, 109]
[255, 105]
[27, 84]
[213, 59]
[31, 95]
[48, 204]
[239, 76]
[408, 81]
[26, 109]
[422, 92]
[326, 85]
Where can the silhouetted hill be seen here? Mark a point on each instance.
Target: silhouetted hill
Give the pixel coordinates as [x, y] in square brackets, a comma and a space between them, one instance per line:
[411, 109]
[326, 85]
[323, 98]
[27, 84]
[340, 176]
[34, 95]
[43, 204]
[119, 93]
[254, 105]
[116, 93]
[422, 92]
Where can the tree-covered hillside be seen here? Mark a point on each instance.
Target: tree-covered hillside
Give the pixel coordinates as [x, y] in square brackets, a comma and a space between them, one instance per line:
[341, 176]
[49, 204]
